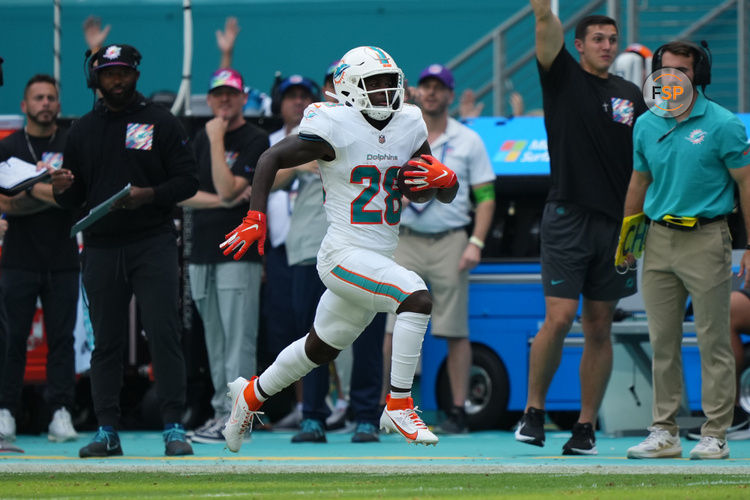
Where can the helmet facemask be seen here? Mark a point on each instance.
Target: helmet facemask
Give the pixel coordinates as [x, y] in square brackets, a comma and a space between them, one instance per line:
[350, 77]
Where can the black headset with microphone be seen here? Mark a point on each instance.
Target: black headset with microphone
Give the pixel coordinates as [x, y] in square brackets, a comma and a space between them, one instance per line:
[701, 61]
[89, 59]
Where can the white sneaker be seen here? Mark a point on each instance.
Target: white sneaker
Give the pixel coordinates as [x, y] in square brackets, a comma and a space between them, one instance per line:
[291, 420]
[241, 418]
[659, 444]
[7, 425]
[210, 432]
[61, 427]
[337, 418]
[710, 447]
[400, 416]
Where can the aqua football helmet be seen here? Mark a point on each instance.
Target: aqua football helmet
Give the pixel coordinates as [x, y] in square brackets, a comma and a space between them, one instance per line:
[355, 67]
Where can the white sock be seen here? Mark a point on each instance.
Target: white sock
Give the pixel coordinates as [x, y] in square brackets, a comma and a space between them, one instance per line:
[290, 365]
[408, 334]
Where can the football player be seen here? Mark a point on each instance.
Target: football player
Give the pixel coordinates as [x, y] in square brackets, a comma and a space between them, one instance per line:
[360, 143]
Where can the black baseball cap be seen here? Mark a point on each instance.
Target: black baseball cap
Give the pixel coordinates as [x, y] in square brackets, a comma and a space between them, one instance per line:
[117, 54]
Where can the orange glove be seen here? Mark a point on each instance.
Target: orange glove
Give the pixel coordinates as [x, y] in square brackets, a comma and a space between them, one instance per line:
[252, 229]
[433, 175]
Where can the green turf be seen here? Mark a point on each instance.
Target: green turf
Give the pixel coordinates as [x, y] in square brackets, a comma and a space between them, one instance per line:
[403, 487]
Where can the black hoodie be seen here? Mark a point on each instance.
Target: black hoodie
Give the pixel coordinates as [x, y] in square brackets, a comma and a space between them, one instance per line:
[144, 145]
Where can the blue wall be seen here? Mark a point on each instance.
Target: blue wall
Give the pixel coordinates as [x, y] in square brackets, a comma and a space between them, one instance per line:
[285, 35]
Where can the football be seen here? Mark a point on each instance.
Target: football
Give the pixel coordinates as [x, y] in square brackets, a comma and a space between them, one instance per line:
[415, 196]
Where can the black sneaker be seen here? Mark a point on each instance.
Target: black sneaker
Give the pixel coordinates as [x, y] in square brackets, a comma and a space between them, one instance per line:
[106, 443]
[175, 442]
[455, 423]
[365, 433]
[530, 429]
[311, 431]
[583, 441]
[740, 428]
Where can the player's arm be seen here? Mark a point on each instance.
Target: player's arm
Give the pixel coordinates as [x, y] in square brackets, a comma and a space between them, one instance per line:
[639, 182]
[42, 191]
[284, 178]
[225, 41]
[636, 195]
[435, 169]
[289, 152]
[20, 204]
[202, 200]
[228, 186]
[549, 33]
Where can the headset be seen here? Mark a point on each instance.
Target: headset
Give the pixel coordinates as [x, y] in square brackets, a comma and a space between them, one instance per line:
[89, 58]
[702, 60]
[275, 94]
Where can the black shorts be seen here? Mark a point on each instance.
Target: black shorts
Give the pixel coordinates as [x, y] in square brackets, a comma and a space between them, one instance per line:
[578, 255]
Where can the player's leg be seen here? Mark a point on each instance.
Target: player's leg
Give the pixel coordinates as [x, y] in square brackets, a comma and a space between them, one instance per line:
[563, 257]
[379, 284]
[594, 371]
[602, 288]
[546, 349]
[307, 288]
[366, 381]
[450, 320]
[338, 322]
[596, 360]
[60, 302]
[410, 253]
[19, 289]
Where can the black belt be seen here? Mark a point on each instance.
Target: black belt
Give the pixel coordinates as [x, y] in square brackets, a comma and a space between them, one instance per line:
[702, 221]
[411, 232]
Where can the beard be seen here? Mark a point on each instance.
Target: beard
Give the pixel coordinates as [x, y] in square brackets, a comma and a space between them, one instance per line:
[120, 100]
[42, 118]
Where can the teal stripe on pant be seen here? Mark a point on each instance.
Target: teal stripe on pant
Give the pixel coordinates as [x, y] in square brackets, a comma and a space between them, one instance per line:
[370, 285]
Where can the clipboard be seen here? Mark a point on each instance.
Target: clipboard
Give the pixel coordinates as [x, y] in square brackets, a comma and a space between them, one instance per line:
[632, 238]
[17, 175]
[99, 211]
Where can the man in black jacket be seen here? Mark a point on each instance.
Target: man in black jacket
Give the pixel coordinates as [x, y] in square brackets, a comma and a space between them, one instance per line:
[39, 261]
[126, 139]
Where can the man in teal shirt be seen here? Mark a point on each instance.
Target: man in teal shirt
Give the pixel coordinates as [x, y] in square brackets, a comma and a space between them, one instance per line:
[685, 167]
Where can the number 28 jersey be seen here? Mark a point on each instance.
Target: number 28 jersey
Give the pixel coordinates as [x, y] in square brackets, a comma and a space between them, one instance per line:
[362, 203]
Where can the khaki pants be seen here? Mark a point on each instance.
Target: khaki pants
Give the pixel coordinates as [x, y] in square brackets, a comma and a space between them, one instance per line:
[677, 263]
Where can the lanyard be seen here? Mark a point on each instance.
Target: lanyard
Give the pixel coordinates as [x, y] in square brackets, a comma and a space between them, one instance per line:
[31, 148]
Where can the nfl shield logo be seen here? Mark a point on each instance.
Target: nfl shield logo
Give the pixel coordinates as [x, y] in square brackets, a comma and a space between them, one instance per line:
[381, 139]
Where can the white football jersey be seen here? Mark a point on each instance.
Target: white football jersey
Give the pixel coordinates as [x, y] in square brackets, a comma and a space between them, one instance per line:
[362, 203]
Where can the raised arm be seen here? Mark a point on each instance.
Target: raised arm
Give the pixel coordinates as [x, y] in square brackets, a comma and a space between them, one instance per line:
[225, 41]
[94, 34]
[549, 33]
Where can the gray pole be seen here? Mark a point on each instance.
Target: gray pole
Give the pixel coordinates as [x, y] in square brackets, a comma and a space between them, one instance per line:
[56, 42]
